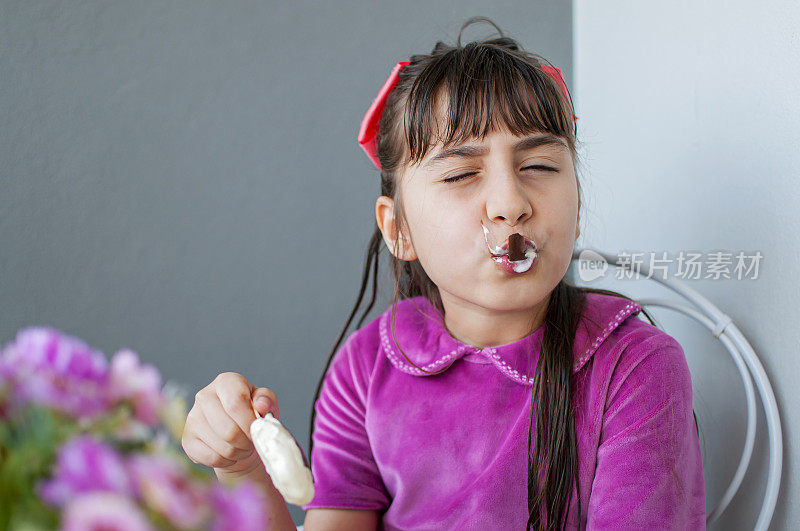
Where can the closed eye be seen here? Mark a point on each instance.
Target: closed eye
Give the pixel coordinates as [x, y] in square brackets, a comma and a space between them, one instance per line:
[465, 175]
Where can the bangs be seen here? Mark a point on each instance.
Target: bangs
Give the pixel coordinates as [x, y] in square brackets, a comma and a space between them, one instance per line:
[476, 89]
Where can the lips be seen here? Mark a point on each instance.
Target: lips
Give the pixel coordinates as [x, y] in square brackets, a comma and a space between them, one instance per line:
[521, 266]
[504, 248]
[528, 244]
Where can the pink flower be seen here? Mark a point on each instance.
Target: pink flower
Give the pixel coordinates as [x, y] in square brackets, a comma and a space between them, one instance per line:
[141, 384]
[54, 370]
[103, 511]
[85, 464]
[239, 508]
[165, 487]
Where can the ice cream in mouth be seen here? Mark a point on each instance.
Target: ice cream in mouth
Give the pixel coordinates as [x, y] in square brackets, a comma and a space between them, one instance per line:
[520, 246]
[517, 254]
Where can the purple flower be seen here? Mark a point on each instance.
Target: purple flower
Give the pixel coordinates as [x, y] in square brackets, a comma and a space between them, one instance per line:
[165, 487]
[84, 465]
[103, 511]
[57, 371]
[141, 384]
[239, 508]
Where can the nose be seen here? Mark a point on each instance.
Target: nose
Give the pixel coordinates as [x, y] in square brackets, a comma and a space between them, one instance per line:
[506, 200]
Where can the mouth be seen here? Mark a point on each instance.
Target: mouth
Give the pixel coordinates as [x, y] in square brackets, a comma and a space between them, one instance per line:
[517, 266]
[526, 253]
[503, 249]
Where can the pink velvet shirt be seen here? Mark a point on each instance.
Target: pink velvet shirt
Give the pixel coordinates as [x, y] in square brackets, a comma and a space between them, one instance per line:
[448, 451]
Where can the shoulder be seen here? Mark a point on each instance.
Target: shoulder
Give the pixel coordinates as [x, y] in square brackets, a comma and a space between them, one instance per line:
[611, 323]
[358, 354]
[413, 323]
[628, 350]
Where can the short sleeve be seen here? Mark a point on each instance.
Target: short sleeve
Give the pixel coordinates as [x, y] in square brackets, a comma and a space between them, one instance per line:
[343, 467]
[649, 471]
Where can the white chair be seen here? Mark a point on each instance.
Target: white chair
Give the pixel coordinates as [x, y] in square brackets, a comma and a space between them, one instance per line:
[723, 328]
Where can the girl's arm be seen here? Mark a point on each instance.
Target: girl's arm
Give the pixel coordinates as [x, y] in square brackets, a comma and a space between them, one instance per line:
[280, 518]
[346, 476]
[335, 519]
[316, 519]
[649, 472]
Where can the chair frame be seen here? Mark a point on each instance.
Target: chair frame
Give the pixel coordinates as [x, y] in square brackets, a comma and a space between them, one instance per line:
[723, 328]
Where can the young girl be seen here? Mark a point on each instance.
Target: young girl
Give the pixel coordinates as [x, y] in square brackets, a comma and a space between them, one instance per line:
[493, 394]
[427, 413]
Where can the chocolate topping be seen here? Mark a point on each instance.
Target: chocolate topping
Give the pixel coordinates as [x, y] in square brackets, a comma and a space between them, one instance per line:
[516, 247]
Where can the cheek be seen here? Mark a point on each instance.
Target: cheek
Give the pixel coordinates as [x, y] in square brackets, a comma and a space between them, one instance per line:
[561, 213]
[437, 218]
[442, 236]
[445, 239]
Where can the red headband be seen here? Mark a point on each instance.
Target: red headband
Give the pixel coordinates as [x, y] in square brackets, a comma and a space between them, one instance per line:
[367, 136]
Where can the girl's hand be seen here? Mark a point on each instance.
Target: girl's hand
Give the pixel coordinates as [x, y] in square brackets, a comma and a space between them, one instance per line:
[217, 429]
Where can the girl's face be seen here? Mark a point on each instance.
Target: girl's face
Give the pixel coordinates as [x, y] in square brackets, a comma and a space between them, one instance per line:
[509, 186]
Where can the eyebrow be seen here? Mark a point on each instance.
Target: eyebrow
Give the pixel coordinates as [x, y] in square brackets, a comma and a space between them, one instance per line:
[468, 151]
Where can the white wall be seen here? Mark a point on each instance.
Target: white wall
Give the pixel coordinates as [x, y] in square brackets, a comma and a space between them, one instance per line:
[690, 118]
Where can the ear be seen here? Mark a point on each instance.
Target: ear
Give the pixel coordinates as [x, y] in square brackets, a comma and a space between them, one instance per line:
[385, 215]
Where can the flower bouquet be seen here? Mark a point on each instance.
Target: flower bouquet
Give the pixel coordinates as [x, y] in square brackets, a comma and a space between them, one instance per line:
[90, 444]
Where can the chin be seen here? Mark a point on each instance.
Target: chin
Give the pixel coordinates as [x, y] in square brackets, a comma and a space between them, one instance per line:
[515, 298]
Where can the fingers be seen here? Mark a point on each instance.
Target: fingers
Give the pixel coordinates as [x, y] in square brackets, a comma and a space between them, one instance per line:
[195, 429]
[217, 428]
[271, 404]
[234, 403]
[222, 425]
[222, 434]
[200, 453]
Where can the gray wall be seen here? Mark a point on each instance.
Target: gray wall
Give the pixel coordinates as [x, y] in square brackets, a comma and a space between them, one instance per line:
[167, 169]
[690, 118]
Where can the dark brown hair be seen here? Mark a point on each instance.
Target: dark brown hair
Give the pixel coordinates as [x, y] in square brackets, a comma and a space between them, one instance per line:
[485, 82]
